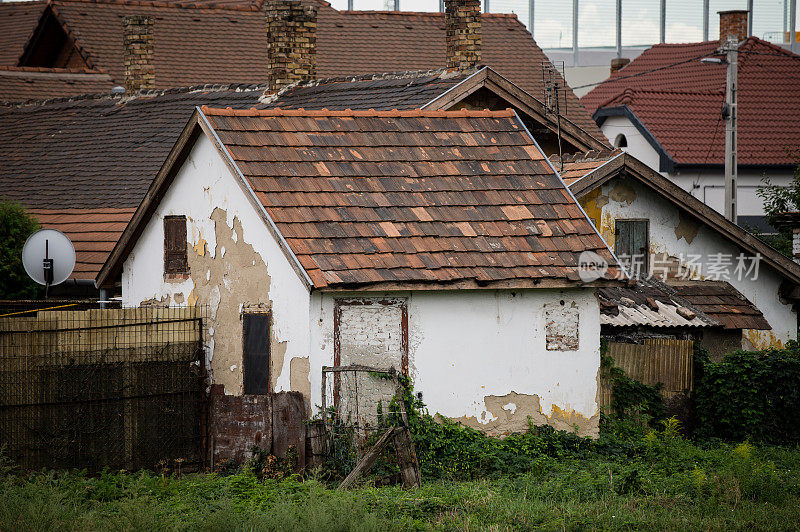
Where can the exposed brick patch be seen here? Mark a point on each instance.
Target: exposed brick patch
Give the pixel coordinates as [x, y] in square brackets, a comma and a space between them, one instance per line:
[732, 25]
[291, 43]
[463, 23]
[138, 43]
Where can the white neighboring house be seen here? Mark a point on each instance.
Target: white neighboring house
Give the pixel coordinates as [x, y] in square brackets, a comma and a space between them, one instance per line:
[439, 243]
[640, 212]
[667, 108]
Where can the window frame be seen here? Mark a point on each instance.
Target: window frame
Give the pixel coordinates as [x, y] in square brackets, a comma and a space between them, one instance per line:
[646, 263]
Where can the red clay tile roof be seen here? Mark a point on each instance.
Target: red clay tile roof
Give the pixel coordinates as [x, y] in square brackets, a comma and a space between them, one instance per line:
[365, 197]
[579, 164]
[723, 303]
[17, 20]
[93, 232]
[197, 44]
[20, 84]
[679, 100]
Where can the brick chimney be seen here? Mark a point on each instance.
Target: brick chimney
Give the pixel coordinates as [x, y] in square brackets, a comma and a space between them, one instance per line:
[618, 63]
[463, 23]
[138, 38]
[732, 25]
[291, 43]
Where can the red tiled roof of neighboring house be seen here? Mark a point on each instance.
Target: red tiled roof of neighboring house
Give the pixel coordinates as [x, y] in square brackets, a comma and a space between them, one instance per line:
[93, 233]
[722, 302]
[206, 43]
[17, 21]
[20, 84]
[679, 99]
[367, 197]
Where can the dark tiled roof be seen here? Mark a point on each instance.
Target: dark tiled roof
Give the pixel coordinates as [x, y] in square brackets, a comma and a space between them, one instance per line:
[228, 44]
[407, 90]
[93, 232]
[366, 197]
[20, 84]
[722, 302]
[82, 166]
[17, 20]
[679, 101]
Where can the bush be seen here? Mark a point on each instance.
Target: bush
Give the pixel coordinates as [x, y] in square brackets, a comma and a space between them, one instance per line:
[751, 395]
[15, 227]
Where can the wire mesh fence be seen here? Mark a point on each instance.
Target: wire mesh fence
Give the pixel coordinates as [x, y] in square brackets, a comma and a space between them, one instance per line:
[359, 403]
[95, 388]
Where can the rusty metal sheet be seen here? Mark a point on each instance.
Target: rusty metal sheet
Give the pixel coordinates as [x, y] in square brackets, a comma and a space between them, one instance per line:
[238, 423]
[288, 425]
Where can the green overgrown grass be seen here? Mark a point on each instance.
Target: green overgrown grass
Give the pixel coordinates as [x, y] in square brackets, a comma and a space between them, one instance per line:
[646, 479]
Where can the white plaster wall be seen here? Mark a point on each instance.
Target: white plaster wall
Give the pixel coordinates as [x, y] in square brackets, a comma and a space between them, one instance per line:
[638, 146]
[203, 184]
[707, 185]
[664, 218]
[465, 346]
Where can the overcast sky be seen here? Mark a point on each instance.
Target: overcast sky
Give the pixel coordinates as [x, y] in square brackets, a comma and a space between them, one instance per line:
[553, 18]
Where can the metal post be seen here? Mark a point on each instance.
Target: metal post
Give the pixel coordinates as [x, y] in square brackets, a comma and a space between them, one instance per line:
[397, 5]
[731, 158]
[662, 21]
[441, 6]
[485, 6]
[530, 15]
[574, 32]
[619, 29]
[749, 17]
[349, 5]
[792, 25]
[705, 20]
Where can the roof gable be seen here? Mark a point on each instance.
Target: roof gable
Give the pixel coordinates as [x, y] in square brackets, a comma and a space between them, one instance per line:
[400, 198]
[599, 172]
[676, 100]
[18, 20]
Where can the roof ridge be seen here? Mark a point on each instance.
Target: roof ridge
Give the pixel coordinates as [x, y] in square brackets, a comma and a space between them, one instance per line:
[212, 111]
[163, 4]
[124, 98]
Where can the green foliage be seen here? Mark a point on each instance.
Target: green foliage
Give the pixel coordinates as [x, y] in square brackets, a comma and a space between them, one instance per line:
[15, 227]
[631, 398]
[752, 395]
[779, 199]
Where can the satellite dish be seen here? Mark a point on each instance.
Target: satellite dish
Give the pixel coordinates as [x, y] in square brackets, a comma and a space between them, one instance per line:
[48, 257]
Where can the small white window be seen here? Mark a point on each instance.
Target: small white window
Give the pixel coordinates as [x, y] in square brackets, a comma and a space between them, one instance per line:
[621, 141]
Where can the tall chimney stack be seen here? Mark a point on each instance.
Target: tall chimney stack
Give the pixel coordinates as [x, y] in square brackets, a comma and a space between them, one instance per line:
[463, 23]
[732, 25]
[138, 39]
[291, 43]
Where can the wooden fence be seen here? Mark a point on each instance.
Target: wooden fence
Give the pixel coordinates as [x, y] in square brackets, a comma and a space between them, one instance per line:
[657, 360]
[121, 388]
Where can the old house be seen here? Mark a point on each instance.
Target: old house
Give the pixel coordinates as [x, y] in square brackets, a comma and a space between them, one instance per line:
[666, 109]
[442, 243]
[659, 229]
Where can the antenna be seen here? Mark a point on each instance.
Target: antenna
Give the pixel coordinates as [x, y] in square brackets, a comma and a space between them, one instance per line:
[555, 96]
[48, 257]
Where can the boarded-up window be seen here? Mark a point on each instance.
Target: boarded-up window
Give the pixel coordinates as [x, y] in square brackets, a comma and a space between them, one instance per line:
[632, 244]
[561, 325]
[256, 353]
[175, 260]
[373, 333]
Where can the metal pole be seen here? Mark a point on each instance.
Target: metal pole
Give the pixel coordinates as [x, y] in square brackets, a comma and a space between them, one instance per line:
[663, 21]
[731, 158]
[705, 20]
[749, 17]
[575, 33]
[349, 5]
[397, 5]
[441, 6]
[530, 15]
[485, 6]
[619, 29]
[793, 25]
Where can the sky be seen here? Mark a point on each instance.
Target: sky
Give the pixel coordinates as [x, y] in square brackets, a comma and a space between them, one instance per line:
[596, 19]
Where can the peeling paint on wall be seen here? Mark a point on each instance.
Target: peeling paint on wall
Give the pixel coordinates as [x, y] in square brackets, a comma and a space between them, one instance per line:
[299, 371]
[561, 324]
[622, 192]
[242, 275]
[687, 227]
[762, 339]
[593, 204]
[512, 412]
